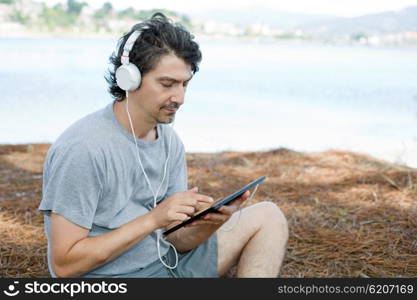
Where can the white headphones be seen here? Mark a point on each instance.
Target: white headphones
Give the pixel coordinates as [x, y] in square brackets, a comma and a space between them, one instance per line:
[128, 76]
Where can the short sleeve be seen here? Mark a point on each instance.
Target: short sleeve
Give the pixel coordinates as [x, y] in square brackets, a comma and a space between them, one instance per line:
[72, 184]
[178, 179]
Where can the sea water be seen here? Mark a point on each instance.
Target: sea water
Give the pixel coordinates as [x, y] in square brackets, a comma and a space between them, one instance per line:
[247, 96]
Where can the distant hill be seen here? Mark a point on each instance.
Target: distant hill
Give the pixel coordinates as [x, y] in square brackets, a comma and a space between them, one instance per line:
[380, 23]
[261, 15]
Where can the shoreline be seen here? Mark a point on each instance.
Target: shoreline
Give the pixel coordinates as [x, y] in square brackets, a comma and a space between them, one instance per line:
[29, 147]
[27, 34]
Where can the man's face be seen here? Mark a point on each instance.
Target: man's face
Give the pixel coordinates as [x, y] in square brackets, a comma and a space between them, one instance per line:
[162, 90]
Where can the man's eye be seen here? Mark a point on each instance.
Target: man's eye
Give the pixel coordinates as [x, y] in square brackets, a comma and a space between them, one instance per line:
[167, 85]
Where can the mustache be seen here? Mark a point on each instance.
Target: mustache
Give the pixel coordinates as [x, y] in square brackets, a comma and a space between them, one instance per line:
[171, 106]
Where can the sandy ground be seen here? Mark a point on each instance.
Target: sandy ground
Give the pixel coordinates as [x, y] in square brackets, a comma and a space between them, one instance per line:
[349, 215]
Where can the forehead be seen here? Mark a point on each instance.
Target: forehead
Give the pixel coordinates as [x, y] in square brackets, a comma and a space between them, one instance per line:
[172, 66]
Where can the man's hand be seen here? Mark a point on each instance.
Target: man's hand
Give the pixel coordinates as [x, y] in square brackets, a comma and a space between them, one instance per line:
[224, 213]
[179, 207]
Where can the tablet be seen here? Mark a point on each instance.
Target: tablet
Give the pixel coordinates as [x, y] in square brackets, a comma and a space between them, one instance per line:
[217, 204]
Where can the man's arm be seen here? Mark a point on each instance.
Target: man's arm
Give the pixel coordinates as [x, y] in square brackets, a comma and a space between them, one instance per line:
[74, 253]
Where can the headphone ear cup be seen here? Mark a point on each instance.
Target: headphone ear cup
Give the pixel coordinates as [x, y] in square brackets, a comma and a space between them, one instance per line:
[128, 77]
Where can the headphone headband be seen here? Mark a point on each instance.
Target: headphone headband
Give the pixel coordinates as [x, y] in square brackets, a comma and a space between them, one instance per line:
[129, 44]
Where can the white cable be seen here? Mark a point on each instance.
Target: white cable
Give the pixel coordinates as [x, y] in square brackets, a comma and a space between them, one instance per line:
[240, 211]
[137, 153]
[158, 232]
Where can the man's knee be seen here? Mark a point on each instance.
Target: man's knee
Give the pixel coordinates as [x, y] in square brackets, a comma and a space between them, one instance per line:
[271, 215]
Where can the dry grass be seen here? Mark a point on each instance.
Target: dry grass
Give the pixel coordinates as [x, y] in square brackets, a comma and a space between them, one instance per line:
[350, 215]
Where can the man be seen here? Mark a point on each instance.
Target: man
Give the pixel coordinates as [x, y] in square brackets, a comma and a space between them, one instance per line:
[117, 178]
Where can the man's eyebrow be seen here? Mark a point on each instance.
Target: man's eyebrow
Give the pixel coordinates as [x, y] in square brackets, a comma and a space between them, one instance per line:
[168, 78]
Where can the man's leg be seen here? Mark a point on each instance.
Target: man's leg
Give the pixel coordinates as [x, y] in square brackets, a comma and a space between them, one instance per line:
[256, 244]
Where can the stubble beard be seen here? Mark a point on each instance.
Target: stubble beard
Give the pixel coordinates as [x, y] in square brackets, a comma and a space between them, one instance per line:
[168, 119]
[164, 118]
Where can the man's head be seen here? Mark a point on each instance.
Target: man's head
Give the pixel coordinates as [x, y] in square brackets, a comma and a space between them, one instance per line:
[159, 37]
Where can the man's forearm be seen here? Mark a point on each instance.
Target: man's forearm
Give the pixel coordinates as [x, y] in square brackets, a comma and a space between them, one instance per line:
[92, 252]
[188, 238]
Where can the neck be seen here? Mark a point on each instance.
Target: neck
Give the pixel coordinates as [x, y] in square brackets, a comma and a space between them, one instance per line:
[144, 129]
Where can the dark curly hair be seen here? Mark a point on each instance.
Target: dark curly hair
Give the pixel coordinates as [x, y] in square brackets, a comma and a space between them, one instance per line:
[159, 37]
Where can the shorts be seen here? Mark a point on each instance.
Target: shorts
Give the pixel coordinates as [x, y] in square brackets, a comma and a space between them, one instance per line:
[200, 262]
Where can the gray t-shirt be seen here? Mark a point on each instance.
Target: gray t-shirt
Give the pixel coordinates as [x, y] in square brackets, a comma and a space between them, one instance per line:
[92, 177]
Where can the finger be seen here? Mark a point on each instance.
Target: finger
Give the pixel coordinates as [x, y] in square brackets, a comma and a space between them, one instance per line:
[186, 209]
[239, 200]
[195, 198]
[245, 195]
[181, 217]
[204, 198]
[195, 223]
[242, 197]
[216, 218]
[201, 206]
[202, 222]
[228, 209]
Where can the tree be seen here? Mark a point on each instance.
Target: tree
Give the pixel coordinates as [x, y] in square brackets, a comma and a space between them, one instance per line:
[127, 13]
[57, 16]
[107, 7]
[6, 1]
[74, 7]
[104, 11]
[359, 36]
[19, 17]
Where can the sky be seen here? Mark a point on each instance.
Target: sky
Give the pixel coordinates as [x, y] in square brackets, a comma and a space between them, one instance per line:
[343, 8]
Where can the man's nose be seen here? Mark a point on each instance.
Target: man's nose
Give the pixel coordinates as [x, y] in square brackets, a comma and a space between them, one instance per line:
[178, 96]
